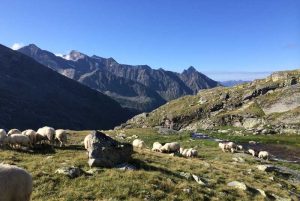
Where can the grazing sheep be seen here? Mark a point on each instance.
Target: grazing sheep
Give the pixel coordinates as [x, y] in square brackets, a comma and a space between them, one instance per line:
[230, 145]
[31, 134]
[61, 136]
[239, 147]
[2, 135]
[88, 142]
[48, 133]
[263, 155]
[170, 147]
[156, 147]
[15, 183]
[222, 146]
[15, 140]
[252, 152]
[14, 131]
[40, 138]
[191, 153]
[138, 143]
[188, 152]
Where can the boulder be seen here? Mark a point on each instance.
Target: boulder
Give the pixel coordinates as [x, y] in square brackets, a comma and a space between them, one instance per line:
[107, 152]
[71, 172]
[237, 184]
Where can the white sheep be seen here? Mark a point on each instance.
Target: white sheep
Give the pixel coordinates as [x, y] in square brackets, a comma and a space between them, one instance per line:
[15, 183]
[61, 136]
[188, 152]
[230, 145]
[31, 134]
[2, 135]
[252, 152]
[263, 155]
[156, 147]
[239, 147]
[14, 131]
[222, 146]
[48, 133]
[138, 143]
[17, 140]
[171, 147]
[88, 143]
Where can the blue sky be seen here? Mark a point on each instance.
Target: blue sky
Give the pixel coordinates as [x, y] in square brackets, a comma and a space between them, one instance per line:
[225, 39]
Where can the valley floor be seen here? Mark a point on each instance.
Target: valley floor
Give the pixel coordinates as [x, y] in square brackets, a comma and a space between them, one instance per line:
[158, 176]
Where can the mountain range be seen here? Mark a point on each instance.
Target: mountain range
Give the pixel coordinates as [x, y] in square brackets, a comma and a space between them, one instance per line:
[138, 87]
[33, 96]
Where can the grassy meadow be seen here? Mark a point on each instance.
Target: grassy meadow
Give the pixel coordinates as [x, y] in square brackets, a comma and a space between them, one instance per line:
[157, 176]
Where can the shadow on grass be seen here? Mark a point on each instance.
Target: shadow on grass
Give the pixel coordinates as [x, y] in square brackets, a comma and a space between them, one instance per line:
[139, 164]
[74, 147]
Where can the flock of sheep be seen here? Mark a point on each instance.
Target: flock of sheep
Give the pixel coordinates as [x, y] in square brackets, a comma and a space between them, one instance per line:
[174, 147]
[232, 147]
[29, 138]
[20, 180]
[170, 147]
[15, 182]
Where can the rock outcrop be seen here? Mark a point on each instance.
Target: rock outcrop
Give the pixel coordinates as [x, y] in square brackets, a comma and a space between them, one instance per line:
[266, 106]
[107, 152]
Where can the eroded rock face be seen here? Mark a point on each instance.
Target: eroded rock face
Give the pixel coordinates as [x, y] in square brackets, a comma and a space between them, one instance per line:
[107, 152]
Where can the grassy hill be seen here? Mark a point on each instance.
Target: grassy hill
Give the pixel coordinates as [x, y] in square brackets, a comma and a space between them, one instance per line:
[271, 103]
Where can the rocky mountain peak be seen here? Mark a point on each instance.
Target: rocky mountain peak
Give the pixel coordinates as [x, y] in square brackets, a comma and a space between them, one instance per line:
[74, 55]
[191, 69]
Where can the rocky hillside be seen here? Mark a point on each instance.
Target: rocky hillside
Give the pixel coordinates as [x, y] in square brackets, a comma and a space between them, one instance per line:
[270, 105]
[33, 96]
[138, 87]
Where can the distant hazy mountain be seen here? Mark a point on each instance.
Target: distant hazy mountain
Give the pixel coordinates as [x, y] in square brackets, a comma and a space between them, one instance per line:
[231, 83]
[138, 87]
[33, 95]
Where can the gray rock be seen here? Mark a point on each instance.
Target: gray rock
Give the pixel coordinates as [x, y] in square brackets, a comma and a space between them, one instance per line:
[72, 171]
[186, 175]
[187, 190]
[266, 168]
[199, 180]
[262, 192]
[107, 152]
[237, 184]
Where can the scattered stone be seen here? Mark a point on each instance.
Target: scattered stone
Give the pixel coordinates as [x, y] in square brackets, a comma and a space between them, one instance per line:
[278, 198]
[125, 166]
[94, 170]
[237, 184]
[266, 168]
[186, 175]
[199, 180]
[238, 159]
[252, 142]
[187, 190]
[49, 157]
[262, 192]
[72, 171]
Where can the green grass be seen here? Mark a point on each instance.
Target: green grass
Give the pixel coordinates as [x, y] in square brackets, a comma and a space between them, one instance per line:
[157, 178]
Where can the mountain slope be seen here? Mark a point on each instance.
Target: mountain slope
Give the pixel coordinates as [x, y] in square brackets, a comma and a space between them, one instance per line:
[33, 95]
[151, 88]
[269, 105]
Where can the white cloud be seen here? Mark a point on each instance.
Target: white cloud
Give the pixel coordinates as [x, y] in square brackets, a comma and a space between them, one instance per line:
[17, 46]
